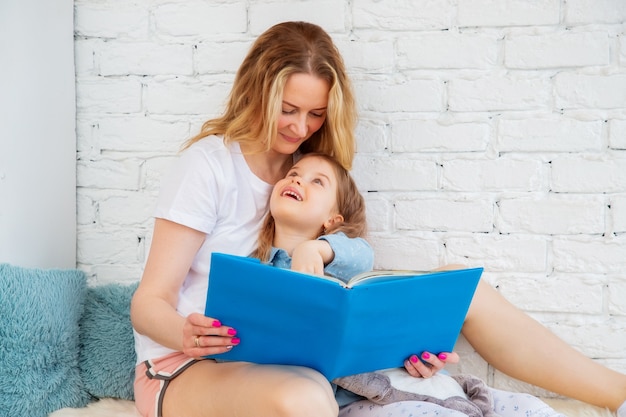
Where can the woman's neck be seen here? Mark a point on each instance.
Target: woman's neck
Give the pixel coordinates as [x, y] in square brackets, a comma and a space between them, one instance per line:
[269, 166]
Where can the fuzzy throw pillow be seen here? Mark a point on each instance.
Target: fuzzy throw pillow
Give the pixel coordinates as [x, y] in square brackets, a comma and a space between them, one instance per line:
[39, 314]
[107, 347]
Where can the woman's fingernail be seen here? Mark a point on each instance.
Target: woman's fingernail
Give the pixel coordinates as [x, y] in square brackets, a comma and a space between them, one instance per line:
[232, 332]
[235, 340]
[216, 323]
[426, 355]
[413, 358]
[442, 356]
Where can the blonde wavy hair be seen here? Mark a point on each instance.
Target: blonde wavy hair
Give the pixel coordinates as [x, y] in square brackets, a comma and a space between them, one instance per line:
[255, 101]
[350, 204]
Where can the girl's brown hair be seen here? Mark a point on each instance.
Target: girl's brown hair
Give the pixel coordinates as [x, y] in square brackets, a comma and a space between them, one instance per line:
[350, 204]
[255, 101]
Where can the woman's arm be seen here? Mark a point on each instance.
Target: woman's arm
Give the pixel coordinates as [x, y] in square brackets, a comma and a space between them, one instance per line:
[153, 307]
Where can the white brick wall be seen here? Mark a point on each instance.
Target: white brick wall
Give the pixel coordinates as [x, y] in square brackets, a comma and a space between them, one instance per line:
[492, 133]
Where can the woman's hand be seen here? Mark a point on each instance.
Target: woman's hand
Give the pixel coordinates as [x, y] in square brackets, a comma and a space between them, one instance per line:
[204, 336]
[430, 363]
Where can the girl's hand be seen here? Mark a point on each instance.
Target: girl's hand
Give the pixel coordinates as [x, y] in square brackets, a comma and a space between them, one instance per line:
[429, 364]
[204, 336]
[311, 256]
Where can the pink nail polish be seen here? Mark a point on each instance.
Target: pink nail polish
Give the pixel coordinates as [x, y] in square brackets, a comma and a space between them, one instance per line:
[235, 340]
[232, 332]
[426, 355]
[442, 356]
[216, 323]
[413, 358]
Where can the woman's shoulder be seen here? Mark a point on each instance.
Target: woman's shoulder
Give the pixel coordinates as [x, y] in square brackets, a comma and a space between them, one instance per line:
[212, 149]
[208, 145]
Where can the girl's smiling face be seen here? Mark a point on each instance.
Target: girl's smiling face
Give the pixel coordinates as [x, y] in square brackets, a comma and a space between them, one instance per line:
[307, 197]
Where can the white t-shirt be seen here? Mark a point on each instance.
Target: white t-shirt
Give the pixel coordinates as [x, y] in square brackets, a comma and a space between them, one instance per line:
[210, 189]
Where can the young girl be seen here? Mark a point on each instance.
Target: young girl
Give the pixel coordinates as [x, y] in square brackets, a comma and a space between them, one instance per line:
[319, 201]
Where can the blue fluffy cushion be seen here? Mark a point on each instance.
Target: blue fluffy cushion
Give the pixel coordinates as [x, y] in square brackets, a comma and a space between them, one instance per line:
[39, 315]
[107, 354]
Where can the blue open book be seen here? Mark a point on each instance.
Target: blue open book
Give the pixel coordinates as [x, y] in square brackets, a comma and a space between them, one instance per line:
[374, 322]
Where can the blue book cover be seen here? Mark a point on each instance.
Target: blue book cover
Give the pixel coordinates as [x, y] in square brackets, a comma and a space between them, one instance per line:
[291, 318]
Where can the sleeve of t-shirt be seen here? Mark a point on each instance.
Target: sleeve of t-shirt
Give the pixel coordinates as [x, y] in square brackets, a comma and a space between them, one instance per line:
[352, 256]
[190, 191]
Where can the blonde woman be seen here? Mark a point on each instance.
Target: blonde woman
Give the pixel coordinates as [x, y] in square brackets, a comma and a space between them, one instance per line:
[291, 95]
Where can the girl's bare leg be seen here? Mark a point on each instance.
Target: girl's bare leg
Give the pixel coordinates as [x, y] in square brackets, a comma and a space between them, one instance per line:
[246, 390]
[519, 346]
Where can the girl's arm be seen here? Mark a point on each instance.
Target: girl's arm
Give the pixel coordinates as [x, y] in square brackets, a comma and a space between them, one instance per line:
[334, 254]
[351, 256]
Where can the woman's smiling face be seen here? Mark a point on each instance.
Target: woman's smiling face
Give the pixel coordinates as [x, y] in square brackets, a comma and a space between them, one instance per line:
[304, 103]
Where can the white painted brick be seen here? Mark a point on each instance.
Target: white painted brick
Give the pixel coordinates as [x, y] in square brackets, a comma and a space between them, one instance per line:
[153, 171]
[555, 294]
[103, 20]
[127, 210]
[144, 58]
[400, 95]
[497, 253]
[122, 175]
[114, 246]
[329, 14]
[502, 174]
[218, 57]
[439, 214]
[84, 61]
[405, 252]
[494, 93]
[562, 49]
[122, 274]
[617, 295]
[549, 215]
[85, 130]
[371, 136]
[394, 174]
[402, 14]
[582, 175]
[369, 55]
[580, 91]
[141, 134]
[186, 96]
[617, 134]
[618, 213]
[109, 96]
[85, 208]
[508, 12]
[603, 337]
[436, 136]
[590, 254]
[447, 50]
[378, 212]
[200, 19]
[560, 134]
[579, 12]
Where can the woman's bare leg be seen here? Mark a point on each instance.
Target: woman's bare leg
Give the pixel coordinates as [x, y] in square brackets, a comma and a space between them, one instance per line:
[239, 389]
[519, 346]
